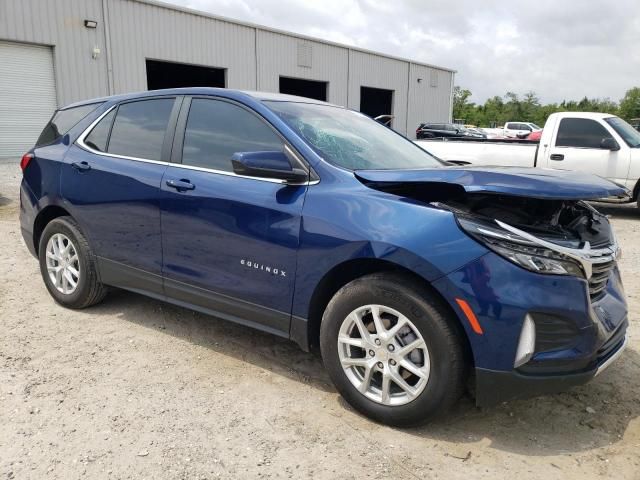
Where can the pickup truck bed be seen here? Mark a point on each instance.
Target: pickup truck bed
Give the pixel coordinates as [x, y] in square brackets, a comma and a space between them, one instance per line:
[483, 152]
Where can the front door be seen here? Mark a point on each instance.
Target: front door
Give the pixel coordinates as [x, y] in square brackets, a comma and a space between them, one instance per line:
[229, 242]
[576, 146]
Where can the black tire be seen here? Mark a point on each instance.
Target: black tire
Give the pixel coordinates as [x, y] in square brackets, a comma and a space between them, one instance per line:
[440, 332]
[89, 290]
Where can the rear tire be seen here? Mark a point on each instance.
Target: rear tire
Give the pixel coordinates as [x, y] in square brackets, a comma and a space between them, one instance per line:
[358, 363]
[68, 266]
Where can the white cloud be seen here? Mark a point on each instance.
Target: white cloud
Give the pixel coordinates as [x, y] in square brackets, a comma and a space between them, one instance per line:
[559, 49]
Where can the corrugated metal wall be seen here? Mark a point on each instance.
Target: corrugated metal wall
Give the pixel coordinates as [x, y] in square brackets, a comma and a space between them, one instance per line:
[60, 24]
[278, 56]
[429, 98]
[140, 31]
[254, 58]
[369, 70]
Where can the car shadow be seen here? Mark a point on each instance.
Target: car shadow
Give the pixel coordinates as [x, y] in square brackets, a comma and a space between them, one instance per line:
[627, 210]
[584, 418]
[279, 355]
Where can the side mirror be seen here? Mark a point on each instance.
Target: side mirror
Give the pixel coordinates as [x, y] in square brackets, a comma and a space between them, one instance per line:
[270, 164]
[609, 144]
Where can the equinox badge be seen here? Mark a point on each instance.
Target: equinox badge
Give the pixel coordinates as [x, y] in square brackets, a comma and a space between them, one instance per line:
[264, 268]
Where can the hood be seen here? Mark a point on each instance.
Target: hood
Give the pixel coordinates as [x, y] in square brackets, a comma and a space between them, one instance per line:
[517, 181]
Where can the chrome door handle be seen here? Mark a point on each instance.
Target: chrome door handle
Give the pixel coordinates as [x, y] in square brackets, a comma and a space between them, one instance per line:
[181, 185]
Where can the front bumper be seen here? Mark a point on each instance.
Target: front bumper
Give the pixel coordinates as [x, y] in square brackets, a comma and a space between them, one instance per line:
[576, 336]
[493, 386]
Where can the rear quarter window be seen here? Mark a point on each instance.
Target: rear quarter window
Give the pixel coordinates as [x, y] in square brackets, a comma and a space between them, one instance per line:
[63, 121]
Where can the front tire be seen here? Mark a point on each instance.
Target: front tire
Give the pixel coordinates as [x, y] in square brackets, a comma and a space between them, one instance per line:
[392, 350]
[68, 266]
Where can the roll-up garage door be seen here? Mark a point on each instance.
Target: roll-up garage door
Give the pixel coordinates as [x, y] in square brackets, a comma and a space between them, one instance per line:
[27, 95]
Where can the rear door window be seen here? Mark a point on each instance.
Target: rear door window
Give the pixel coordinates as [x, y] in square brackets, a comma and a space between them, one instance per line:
[63, 121]
[139, 128]
[216, 130]
[580, 133]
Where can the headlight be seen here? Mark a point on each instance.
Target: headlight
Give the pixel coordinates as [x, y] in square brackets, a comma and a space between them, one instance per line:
[521, 251]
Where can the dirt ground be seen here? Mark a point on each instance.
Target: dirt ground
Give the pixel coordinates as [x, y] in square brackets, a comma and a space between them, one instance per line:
[135, 388]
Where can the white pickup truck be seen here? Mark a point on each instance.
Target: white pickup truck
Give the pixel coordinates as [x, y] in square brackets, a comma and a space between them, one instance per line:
[597, 143]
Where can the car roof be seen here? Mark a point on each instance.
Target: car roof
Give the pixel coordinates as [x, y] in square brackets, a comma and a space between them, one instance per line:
[220, 92]
[591, 115]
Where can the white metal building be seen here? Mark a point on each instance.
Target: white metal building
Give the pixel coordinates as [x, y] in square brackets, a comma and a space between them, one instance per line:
[54, 52]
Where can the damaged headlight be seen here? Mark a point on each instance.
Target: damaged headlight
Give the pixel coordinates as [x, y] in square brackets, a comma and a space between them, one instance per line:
[519, 250]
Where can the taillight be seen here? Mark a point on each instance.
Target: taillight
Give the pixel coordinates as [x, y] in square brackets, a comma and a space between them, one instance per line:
[26, 158]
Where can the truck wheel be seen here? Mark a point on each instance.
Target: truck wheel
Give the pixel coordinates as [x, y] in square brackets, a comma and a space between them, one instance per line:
[392, 351]
[68, 266]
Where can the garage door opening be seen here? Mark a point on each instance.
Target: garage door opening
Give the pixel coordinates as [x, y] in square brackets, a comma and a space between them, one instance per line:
[304, 88]
[376, 101]
[177, 75]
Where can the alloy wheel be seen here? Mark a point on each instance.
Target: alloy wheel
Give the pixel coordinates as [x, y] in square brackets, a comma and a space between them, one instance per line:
[63, 264]
[383, 355]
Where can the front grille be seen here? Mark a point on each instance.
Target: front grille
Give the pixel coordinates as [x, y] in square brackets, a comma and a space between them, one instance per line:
[599, 278]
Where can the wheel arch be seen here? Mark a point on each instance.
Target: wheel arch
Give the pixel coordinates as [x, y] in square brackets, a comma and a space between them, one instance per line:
[636, 191]
[350, 270]
[43, 218]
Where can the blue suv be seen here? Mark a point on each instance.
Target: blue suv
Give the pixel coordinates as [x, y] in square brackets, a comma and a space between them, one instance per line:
[415, 278]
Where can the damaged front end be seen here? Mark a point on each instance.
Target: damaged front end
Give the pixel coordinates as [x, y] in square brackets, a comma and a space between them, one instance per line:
[535, 218]
[544, 236]
[547, 298]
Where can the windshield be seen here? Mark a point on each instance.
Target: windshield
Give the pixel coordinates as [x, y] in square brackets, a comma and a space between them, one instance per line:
[629, 134]
[350, 139]
[536, 127]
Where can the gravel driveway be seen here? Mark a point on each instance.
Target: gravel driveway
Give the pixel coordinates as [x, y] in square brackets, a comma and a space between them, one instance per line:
[136, 388]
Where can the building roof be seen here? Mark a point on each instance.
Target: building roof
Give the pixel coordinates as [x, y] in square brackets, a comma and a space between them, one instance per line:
[200, 13]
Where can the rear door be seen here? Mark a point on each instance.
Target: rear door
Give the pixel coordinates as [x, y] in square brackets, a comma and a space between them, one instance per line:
[576, 146]
[229, 242]
[111, 182]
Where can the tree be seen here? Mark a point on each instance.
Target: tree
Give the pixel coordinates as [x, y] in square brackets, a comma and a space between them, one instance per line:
[630, 104]
[497, 110]
[461, 106]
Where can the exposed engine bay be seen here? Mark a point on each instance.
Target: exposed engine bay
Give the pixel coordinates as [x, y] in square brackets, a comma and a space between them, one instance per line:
[541, 232]
[556, 220]
[547, 205]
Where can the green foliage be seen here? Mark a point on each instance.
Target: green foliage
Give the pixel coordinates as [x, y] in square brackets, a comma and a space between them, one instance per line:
[511, 107]
[630, 104]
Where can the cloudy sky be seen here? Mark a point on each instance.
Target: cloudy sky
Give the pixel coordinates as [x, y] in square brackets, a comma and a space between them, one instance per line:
[561, 49]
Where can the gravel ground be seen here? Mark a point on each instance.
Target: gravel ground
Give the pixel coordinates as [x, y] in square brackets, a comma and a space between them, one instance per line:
[135, 388]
